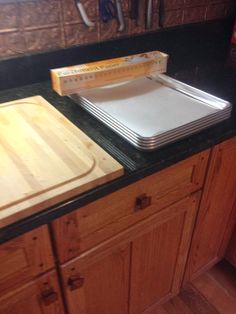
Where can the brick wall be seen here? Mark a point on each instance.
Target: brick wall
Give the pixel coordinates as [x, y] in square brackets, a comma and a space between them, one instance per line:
[42, 25]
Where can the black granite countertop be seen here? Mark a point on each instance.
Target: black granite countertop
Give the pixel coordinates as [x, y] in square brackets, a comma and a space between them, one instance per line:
[137, 164]
[211, 76]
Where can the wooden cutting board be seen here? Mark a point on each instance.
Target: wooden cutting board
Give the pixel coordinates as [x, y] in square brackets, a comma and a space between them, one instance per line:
[45, 159]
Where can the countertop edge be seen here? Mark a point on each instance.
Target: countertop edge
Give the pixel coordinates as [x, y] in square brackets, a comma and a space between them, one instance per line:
[46, 216]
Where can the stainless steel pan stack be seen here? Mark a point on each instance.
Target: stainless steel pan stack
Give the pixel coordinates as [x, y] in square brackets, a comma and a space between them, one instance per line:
[151, 112]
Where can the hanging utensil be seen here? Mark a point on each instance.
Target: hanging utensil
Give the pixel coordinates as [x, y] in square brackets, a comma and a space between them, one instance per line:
[161, 13]
[120, 16]
[141, 13]
[133, 13]
[149, 14]
[109, 10]
[83, 14]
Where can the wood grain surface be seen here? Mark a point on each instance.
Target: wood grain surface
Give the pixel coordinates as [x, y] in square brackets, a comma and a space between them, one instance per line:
[231, 251]
[25, 258]
[214, 292]
[34, 298]
[45, 159]
[215, 219]
[82, 229]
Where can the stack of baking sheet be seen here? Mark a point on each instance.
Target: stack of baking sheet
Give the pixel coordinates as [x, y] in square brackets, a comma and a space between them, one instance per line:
[151, 112]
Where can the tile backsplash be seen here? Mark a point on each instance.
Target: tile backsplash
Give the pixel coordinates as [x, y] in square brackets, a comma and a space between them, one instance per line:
[33, 26]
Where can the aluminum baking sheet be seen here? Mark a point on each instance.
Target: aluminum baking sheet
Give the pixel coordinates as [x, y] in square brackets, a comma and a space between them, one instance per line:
[150, 112]
[161, 140]
[205, 121]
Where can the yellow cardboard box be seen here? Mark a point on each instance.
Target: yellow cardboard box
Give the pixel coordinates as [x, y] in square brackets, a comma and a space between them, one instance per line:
[73, 79]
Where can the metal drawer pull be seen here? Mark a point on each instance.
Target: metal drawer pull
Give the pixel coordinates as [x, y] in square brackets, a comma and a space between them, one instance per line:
[75, 282]
[49, 296]
[143, 201]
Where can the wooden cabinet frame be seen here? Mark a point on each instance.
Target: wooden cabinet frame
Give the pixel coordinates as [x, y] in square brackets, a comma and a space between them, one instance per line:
[25, 258]
[183, 211]
[215, 220]
[81, 230]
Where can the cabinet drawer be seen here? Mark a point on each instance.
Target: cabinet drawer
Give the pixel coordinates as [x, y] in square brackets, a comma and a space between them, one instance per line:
[40, 296]
[24, 258]
[82, 229]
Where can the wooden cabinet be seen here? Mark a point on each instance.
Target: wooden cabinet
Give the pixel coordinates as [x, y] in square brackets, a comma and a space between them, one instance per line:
[159, 256]
[136, 269]
[126, 253]
[215, 219]
[25, 258]
[85, 228]
[28, 283]
[40, 296]
[231, 251]
[98, 283]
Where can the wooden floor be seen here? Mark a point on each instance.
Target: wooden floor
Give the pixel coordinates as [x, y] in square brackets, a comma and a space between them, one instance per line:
[212, 293]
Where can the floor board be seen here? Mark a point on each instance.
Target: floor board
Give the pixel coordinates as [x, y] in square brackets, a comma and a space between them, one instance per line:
[212, 293]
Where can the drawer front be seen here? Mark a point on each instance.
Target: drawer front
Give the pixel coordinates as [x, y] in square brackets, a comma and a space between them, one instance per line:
[40, 296]
[24, 258]
[82, 229]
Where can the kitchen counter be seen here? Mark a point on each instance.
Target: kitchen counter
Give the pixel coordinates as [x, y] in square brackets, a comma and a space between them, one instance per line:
[211, 76]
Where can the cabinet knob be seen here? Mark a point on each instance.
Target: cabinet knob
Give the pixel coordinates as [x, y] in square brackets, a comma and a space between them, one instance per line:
[75, 282]
[49, 296]
[143, 201]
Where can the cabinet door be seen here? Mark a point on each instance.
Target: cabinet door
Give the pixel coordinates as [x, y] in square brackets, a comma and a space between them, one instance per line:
[24, 258]
[231, 251]
[139, 267]
[159, 257]
[215, 220]
[41, 296]
[98, 284]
